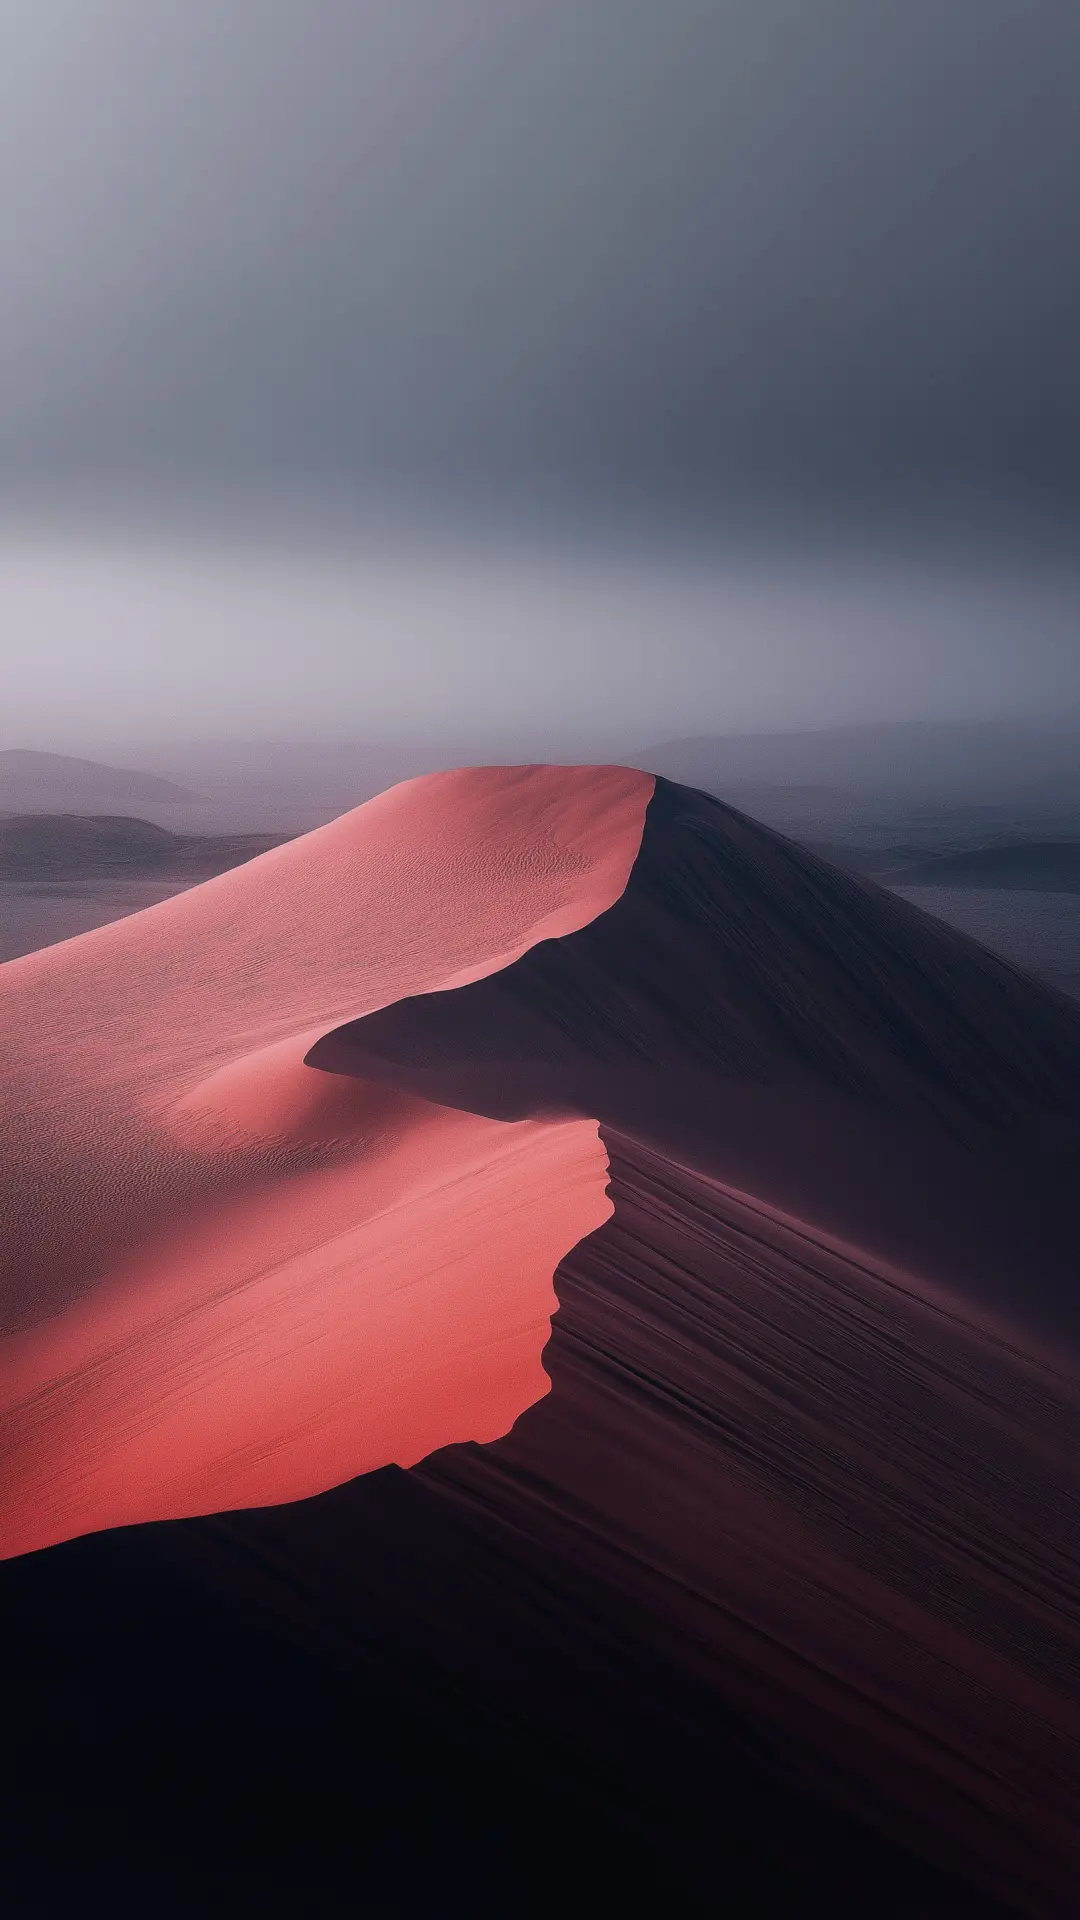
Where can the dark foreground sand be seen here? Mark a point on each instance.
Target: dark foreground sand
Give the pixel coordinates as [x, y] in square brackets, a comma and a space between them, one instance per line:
[774, 1600]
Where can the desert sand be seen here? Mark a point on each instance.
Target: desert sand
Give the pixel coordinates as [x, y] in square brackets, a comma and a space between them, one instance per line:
[785, 1568]
[230, 1278]
[816, 1382]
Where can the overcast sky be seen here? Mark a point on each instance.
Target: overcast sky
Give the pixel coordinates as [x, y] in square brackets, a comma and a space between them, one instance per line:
[779, 255]
[610, 240]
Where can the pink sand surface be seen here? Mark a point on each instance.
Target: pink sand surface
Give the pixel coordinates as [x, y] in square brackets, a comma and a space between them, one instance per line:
[229, 1279]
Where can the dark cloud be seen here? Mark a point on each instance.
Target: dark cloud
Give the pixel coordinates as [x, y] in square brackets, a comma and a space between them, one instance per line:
[669, 246]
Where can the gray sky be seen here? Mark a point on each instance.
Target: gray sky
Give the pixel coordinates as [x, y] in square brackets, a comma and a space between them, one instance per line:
[607, 243]
[718, 258]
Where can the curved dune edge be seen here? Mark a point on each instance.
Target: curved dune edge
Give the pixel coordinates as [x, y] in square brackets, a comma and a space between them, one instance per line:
[799, 1035]
[353, 1319]
[233, 1281]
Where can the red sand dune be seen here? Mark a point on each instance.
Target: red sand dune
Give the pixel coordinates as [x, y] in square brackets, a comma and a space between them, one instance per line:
[815, 1427]
[231, 1279]
[809, 1461]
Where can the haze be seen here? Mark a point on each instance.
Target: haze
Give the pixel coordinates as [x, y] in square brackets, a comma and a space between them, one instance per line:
[510, 651]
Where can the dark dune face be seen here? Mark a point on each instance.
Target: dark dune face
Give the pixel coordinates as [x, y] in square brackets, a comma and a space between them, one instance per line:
[776, 1591]
[831, 1448]
[743, 955]
[777, 1515]
[774, 1600]
[797, 1032]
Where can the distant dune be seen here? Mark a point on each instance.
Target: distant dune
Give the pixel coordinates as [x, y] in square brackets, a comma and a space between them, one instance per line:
[63, 874]
[57, 782]
[69, 846]
[294, 1158]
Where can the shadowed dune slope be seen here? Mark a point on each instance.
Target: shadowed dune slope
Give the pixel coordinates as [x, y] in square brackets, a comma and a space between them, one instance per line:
[781, 1519]
[816, 1396]
[794, 1031]
[771, 1598]
[229, 1279]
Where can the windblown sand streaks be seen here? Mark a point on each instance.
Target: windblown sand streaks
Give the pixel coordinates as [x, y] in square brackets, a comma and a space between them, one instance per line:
[816, 1399]
[785, 1531]
[839, 1509]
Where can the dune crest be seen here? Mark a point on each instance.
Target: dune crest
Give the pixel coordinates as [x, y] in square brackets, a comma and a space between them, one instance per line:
[816, 1385]
[230, 1279]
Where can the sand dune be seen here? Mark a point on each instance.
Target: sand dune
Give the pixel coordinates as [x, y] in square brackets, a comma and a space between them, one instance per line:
[799, 1033]
[780, 1514]
[231, 1279]
[816, 1398]
[69, 846]
[64, 874]
[795, 1526]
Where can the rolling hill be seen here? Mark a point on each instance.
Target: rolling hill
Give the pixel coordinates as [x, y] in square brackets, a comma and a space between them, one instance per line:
[58, 783]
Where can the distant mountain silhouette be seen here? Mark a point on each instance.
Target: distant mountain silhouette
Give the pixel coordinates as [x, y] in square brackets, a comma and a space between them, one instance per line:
[57, 782]
[71, 846]
[912, 757]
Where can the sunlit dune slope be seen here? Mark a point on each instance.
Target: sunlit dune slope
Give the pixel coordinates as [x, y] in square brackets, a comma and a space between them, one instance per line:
[230, 1279]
